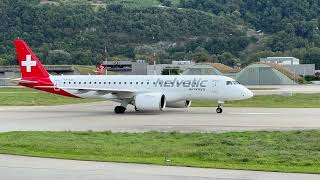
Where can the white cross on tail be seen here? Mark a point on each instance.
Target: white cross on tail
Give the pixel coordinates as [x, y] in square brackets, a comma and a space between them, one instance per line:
[28, 63]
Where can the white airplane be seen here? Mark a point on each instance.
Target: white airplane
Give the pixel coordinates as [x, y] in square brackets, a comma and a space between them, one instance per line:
[146, 93]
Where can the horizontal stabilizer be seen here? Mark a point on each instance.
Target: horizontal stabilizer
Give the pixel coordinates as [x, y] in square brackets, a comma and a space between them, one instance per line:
[19, 80]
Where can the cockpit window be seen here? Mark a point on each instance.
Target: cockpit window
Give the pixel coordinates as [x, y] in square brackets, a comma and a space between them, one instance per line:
[232, 83]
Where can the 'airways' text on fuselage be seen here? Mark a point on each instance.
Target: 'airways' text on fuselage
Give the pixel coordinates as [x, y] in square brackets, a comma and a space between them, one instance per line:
[182, 83]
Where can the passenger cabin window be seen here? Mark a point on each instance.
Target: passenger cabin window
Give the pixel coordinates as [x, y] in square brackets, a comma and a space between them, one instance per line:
[229, 83]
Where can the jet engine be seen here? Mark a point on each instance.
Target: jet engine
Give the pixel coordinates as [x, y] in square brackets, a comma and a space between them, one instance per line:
[150, 102]
[179, 104]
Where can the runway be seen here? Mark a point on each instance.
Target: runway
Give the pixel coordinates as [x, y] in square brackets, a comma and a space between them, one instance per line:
[18, 167]
[285, 89]
[100, 117]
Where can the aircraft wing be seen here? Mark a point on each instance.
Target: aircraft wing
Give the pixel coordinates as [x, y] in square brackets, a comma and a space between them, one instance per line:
[104, 90]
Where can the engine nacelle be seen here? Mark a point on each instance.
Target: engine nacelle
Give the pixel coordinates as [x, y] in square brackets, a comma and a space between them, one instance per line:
[179, 104]
[150, 102]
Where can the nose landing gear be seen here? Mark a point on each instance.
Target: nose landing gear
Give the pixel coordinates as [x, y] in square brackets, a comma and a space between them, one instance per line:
[220, 106]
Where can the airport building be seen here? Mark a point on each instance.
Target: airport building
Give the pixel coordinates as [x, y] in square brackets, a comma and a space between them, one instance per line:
[281, 60]
[291, 63]
[141, 67]
[127, 67]
[202, 69]
[264, 74]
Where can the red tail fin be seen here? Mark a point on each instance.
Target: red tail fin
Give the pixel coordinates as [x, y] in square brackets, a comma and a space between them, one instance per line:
[29, 64]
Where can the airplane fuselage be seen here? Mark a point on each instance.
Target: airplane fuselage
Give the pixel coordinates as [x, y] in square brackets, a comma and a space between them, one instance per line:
[175, 88]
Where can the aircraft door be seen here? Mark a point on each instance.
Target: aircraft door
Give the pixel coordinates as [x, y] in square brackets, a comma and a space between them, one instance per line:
[57, 85]
[214, 86]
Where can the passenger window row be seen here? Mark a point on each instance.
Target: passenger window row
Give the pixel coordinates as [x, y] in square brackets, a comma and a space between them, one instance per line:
[107, 83]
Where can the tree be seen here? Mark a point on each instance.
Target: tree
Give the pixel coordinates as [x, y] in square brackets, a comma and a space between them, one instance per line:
[312, 57]
[201, 55]
[227, 59]
[59, 57]
[166, 2]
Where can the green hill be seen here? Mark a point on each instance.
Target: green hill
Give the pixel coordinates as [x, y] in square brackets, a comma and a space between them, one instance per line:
[229, 32]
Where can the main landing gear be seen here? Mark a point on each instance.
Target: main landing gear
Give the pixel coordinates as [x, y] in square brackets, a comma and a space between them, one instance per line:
[119, 109]
[220, 106]
[122, 108]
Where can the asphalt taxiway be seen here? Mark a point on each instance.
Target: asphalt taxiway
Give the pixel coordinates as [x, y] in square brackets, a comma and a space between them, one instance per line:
[99, 116]
[18, 167]
[285, 89]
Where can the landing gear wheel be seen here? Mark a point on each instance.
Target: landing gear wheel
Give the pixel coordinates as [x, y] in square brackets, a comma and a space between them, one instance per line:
[136, 109]
[220, 106]
[119, 109]
[219, 110]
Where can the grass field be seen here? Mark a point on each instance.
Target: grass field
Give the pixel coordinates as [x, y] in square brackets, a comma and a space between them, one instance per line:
[29, 97]
[293, 151]
[270, 101]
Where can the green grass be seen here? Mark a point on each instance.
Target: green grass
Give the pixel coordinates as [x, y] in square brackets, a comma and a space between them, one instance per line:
[270, 101]
[29, 97]
[292, 151]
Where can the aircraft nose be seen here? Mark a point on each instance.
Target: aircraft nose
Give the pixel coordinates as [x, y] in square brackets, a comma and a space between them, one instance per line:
[248, 94]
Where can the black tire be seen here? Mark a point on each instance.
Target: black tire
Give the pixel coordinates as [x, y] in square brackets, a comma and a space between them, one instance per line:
[119, 109]
[136, 109]
[219, 110]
